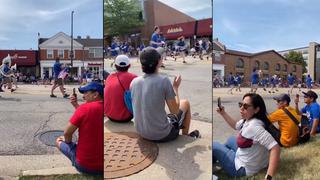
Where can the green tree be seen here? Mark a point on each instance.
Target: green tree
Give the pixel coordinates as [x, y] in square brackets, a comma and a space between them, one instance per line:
[296, 57]
[122, 17]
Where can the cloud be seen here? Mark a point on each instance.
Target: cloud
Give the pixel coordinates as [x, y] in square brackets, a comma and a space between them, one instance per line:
[230, 26]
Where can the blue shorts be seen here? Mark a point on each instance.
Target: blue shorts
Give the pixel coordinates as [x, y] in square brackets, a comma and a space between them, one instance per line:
[70, 150]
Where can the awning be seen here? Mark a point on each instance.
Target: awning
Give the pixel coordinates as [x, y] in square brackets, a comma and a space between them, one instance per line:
[24, 57]
[176, 30]
[204, 27]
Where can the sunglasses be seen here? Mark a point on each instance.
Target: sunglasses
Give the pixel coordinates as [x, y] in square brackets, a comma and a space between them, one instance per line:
[244, 105]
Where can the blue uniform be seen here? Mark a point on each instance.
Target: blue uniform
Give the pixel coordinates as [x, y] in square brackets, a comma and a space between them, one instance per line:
[230, 80]
[309, 82]
[114, 52]
[254, 78]
[291, 80]
[155, 38]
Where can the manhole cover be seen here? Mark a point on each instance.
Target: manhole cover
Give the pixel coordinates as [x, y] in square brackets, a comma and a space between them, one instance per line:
[126, 154]
[49, 137]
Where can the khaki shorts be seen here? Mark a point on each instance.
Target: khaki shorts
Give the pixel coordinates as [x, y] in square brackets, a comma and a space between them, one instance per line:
[58, 81]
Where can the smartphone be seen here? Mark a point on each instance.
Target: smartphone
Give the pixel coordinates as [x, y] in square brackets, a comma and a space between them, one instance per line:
[219, 103]
[74, 92]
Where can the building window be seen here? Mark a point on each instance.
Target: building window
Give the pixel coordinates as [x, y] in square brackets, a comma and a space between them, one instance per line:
[294, 68]
[240, 63]
[50, 54]
[61, 54]
[265, 66]
[285, 67]
[278, 67]
[257, 65]
[95, 52]
[217, 56]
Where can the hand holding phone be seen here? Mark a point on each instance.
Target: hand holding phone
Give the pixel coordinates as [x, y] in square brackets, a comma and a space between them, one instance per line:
[219, 103]
[220, 108]
[74, 92]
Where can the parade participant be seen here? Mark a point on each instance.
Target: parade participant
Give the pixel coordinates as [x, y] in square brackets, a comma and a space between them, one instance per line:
[299, 84]
[254, 148]
[254, 81]
[238, 80]
[150, 93]
[114, 51]
[155, 38]
[115, 86]
[289, 130]
[265, 83]
[312, 109]
[231, 81]
[291, 81]
[273, 84]
[57, 82]
[7, 73]
[87, 155]
[309, 82]
[182, 47]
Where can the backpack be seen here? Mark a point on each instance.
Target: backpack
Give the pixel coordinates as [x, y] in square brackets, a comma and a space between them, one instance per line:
[304, 127]
[126, 97]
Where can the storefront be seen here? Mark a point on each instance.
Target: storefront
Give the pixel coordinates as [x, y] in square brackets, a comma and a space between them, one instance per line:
[204, 28]
[25, 61]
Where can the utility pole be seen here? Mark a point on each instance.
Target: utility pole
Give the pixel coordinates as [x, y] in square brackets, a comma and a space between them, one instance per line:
[71, 53]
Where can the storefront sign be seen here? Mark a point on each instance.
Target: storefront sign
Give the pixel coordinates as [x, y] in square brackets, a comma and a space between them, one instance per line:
[175, 30]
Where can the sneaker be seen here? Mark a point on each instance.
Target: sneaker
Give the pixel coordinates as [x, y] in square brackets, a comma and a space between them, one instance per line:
[53, 96]
[66, 95]
[195, 134]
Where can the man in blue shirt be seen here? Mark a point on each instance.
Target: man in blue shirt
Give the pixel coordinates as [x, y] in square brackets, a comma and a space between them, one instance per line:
[254, 81]
[231, 82]
[311, 109]
[155, 38]
[291, 81]
[238, 80]
[309, 82]
[182, 48]
[57, 81]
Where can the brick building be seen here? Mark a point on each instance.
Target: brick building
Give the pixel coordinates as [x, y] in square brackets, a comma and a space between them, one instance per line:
[269, 62]
[88, 54]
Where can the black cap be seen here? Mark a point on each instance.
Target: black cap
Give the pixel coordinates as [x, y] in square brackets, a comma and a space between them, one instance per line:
[149, 57]
[311, 94]
[283, 97]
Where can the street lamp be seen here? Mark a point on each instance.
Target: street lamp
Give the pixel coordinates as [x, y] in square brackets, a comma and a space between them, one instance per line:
[71, 53]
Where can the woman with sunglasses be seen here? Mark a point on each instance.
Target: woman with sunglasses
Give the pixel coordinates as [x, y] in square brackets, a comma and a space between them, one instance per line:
[254, 148]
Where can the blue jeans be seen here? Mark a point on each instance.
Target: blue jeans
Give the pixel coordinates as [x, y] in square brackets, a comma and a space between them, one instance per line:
[225, 154]
[69, 150]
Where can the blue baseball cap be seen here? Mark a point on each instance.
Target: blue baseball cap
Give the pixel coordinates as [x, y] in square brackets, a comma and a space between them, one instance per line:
[92, 86]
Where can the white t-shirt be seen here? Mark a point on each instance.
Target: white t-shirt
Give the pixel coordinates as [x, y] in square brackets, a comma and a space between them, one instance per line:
[255, 157]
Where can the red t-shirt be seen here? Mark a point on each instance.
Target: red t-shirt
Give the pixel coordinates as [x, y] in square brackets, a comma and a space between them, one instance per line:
[114, 106]
[88, 117]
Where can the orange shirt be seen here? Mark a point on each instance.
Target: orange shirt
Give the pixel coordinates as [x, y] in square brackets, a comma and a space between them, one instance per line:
[289, 130]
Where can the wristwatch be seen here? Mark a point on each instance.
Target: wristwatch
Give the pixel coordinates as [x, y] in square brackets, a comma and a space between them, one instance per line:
[268, 177]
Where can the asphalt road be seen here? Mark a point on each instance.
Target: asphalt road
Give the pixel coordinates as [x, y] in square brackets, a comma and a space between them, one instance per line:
[27, 113]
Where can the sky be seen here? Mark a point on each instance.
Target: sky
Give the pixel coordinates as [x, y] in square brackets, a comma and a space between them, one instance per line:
[21, 21]
[198, 9]
[260, 25]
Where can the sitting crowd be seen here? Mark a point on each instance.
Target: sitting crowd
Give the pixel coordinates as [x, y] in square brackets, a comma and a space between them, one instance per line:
[150, 93]
[258, 142]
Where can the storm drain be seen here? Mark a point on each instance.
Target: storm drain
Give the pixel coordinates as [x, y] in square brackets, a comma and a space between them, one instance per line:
[49, 137]
[126, 154]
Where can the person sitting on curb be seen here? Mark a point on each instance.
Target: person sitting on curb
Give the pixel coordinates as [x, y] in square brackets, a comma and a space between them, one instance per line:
[289, 130]
[312, 110]
[87, 155]
[115, 86]
[254, 148]
[58, 82]
[150, 93]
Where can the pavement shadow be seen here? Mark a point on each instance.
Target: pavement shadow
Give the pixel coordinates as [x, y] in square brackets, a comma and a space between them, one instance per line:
[178, 158]
[119, 127]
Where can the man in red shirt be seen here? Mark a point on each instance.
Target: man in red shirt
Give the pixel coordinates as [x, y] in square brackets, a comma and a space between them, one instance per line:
[115, 86]
[87, 155]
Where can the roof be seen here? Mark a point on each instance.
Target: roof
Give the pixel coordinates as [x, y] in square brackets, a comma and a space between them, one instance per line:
[239, 53]
[84, 41]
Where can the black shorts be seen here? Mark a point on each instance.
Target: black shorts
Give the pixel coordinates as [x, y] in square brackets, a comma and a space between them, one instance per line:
[176, 122]
[58, 81]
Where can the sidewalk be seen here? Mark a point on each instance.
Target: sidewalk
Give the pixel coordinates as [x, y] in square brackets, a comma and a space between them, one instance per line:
[184, 158]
